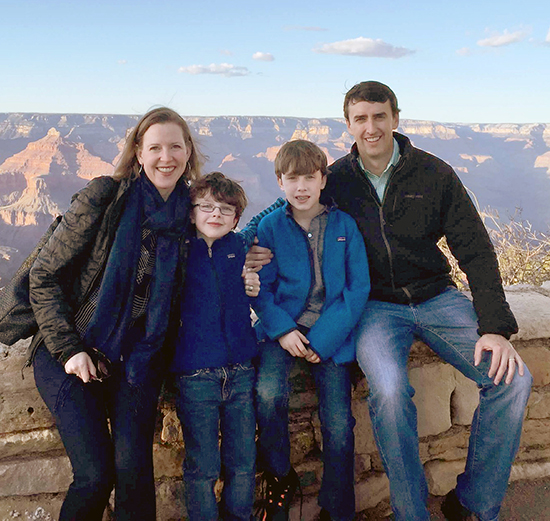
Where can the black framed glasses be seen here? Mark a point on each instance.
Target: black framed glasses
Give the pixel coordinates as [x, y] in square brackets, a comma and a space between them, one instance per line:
[209, 208]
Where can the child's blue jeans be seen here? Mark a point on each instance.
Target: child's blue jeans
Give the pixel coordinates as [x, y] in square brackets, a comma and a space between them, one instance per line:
[210, 401]
[334, 392]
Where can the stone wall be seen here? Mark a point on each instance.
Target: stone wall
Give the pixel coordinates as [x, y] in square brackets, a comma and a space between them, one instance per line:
[34, 471]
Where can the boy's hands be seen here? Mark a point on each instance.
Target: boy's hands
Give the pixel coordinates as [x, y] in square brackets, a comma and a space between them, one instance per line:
[293, 342]
[257, 257]
[312, 357]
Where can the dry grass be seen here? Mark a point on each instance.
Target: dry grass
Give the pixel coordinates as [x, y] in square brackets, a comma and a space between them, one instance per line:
[523, 253]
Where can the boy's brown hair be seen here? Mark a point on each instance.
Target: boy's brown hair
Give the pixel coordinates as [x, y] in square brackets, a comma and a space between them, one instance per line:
[300, 157]
[222, 189]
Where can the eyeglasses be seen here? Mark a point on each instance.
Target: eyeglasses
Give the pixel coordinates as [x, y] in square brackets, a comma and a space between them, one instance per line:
[209, 208]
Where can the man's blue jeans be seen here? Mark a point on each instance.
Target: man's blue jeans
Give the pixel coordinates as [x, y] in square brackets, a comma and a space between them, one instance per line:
[448, 324]
[334, 392]
[210, 401]
[101, 458]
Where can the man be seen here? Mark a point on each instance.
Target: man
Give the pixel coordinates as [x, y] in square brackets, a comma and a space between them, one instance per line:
[404, 200]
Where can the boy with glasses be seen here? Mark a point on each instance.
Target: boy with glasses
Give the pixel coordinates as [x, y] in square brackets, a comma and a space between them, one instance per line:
[213, 359]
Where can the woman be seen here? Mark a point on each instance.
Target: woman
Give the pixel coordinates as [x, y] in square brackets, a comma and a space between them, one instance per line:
[101, 290]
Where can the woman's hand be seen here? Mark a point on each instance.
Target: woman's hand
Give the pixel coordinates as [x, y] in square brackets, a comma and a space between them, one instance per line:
[251, 282]
[82, 366]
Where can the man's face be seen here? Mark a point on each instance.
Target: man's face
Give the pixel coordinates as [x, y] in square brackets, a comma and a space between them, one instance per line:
[372, 125]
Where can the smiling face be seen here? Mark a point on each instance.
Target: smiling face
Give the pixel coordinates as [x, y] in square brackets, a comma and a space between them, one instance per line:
[303, 191]
[214, 225]
[163, 156]
[372, 125]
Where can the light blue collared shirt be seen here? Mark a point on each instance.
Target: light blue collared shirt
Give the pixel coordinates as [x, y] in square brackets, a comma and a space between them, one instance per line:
[381, 182]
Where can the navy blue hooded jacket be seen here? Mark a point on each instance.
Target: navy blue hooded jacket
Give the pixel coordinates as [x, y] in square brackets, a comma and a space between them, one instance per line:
[215, 327]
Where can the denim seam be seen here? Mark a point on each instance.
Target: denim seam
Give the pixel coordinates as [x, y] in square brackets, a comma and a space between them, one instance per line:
[472, 366]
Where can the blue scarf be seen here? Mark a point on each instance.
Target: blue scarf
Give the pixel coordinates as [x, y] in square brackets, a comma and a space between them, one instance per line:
[112, 317]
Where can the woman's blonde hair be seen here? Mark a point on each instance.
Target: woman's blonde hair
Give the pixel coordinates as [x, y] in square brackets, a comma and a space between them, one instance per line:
[128, 165]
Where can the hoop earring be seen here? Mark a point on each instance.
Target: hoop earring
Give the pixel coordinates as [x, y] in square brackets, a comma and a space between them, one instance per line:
[140, 170]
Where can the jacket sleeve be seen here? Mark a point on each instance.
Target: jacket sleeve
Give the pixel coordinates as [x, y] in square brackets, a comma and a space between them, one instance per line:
[59, 263]
[470, 243]
[338, 320]
[274, 320]
[249, 232]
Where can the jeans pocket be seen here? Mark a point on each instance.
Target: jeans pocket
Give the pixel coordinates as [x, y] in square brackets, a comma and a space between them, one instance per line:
[68, 387]
[248, 366]
[194, 374]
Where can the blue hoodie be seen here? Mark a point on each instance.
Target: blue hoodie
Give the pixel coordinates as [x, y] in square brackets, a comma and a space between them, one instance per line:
[287, 280]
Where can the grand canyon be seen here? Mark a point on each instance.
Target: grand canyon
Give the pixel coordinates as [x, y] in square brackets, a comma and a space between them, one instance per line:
[45, 158]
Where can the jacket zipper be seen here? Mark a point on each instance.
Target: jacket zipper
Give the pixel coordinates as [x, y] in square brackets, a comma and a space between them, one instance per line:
[381, 219]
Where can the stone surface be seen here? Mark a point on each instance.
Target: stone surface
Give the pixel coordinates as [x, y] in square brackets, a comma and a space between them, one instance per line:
[168, 461]
[441, 475]
[532, 311]
[23, 411]
[170, 502]
[25, 443]
[538, 361]
[171, 428]
[37, 476]
[372, 490]
[364, 437]
[433, 384]
[535, 433]
[539, 404]
[464, 400]
[452, 445]
[34, 508]
[531, 470]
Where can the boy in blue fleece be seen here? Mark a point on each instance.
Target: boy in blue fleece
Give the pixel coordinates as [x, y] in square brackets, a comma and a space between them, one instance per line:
[312, 294]
[213, 358]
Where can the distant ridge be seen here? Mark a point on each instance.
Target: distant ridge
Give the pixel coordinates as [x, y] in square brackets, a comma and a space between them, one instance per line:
[45, 158]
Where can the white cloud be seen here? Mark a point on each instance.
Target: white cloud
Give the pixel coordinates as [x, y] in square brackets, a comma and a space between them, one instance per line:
[366, 47]
[263, 56]
[122, 62]
[548, 37]
[504, 38]
[224, 69]
[226, 52]
[465, 51]
[304, 28]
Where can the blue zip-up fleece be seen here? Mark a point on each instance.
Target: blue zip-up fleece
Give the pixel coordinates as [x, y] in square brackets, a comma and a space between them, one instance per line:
[215, 328]
[287, 280]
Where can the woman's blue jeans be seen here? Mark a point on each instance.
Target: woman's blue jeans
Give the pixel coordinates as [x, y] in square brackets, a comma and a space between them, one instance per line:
[448, 324]
[100, 458]
[211, 401]
[334, 392]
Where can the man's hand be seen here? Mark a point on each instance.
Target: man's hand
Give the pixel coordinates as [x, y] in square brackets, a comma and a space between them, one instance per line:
[504, 357]
[293, 342]
[82, 366]
[312, 357]
[257, 257]
[251, 282]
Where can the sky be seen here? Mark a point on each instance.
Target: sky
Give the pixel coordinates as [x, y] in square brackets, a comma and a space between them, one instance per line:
[483, 61]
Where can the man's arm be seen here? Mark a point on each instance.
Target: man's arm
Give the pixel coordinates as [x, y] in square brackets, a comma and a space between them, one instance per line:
[471, 245]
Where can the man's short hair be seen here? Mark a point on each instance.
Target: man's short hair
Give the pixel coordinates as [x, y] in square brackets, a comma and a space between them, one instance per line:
[300, 157]
[372, 91]
[222, 189]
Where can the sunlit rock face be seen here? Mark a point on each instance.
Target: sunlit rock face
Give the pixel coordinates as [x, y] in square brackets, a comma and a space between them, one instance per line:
[46, 158]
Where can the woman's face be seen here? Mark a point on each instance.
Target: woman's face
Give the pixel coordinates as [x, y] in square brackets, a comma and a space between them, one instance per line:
[164, 155]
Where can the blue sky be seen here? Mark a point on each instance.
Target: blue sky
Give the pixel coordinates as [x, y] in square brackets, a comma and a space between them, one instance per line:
[482, 61]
